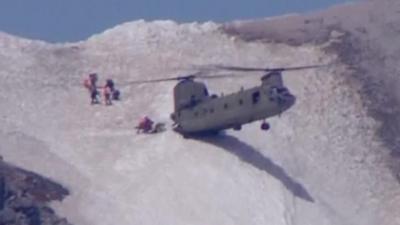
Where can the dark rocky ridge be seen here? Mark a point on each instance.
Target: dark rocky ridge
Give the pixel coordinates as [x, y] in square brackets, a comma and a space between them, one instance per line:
[24, 197]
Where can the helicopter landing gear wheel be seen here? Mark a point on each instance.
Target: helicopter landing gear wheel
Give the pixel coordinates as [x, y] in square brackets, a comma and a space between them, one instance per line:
[237, 127]
[265, 126]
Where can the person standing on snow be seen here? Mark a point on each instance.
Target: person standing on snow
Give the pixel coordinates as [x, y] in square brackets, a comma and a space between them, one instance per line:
[107, 95]
[90, 84]
[115, 94]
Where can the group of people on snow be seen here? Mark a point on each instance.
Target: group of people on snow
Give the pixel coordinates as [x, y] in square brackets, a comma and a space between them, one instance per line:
[109, 91]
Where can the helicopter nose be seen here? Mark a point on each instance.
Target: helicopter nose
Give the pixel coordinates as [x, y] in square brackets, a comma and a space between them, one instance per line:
[289, 100]
[292, 99]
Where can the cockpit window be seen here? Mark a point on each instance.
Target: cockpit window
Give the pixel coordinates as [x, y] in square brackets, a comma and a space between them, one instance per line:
[256, 97]
[282, 90]
[205, 92]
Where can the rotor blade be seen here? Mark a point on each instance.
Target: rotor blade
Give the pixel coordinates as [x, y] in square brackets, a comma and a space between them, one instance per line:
[190, 76]
[233, 68]
[152, 81]
[253, 69]
[238, 68]
[296, 68]
[220, 76]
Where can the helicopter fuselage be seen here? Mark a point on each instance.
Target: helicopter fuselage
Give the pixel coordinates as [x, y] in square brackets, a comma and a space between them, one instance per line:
[212, 113]
[196, 112]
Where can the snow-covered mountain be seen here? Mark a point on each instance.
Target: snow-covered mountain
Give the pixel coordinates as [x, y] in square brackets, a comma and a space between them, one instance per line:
[331, 159]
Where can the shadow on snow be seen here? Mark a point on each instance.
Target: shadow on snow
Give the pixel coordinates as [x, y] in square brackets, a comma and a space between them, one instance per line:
[248, 154]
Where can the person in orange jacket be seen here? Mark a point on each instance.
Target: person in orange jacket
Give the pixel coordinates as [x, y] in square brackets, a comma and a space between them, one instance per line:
[90, 84]
[145, 125]
[107, 95]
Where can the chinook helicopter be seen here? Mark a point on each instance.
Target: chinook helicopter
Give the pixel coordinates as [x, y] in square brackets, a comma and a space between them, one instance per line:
[196, 112]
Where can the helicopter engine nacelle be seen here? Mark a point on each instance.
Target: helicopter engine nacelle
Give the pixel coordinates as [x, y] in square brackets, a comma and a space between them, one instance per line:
[188, 93]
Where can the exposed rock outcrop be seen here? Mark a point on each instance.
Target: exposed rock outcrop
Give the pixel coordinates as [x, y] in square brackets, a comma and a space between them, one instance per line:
[25, 197]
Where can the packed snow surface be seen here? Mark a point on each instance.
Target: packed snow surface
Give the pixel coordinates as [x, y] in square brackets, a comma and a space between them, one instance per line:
[319, 163]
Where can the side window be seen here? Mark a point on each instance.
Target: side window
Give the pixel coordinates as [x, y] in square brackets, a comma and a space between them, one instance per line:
[192, 100]
[256, 97]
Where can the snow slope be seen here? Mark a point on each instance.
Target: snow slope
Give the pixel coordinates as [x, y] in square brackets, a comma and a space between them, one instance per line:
[322, 162]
